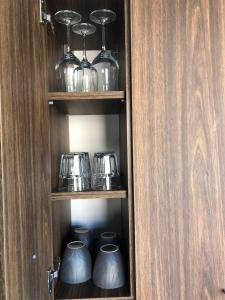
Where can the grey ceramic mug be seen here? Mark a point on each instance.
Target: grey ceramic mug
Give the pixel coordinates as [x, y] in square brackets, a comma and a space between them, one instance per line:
[84, 235]
[76, 264]
[109, 269]
[107, 237]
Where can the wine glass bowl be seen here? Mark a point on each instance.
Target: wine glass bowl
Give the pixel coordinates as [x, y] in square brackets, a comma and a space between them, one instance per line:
[85, 76]
[107, 68]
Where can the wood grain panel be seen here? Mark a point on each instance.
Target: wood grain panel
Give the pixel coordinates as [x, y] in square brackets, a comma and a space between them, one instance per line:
[24, 152]
[178, 79]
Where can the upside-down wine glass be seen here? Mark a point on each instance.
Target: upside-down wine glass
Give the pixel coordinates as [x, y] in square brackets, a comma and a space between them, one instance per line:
[85, 76]
[106, 65]
[66, 65]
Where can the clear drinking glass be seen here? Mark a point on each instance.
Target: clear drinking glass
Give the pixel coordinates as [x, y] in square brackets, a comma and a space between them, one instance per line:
[66, 65]
[85, 76]
[105, 64]
[105, 174]
[75, 172]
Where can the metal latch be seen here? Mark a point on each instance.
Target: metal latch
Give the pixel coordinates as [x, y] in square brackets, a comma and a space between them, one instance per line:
[52, 275]
[45, 18]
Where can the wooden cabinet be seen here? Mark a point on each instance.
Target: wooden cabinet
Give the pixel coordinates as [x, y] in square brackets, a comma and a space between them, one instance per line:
[35, 217]
[178, 113]
[170, 116]
[25, 232]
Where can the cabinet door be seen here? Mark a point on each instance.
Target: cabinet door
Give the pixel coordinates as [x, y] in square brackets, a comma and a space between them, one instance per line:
[178, 92]
[25, 221]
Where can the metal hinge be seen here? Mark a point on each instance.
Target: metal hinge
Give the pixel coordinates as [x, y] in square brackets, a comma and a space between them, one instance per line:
[52, 275]
[45, 18]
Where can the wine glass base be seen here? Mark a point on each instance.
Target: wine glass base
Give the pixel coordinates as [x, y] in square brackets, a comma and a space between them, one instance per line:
[67, 17]
[102, 16]
[84, 29]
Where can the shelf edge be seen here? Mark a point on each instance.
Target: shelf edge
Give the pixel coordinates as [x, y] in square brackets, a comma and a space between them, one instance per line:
[105, 298]
[88, 195]
[59, 96]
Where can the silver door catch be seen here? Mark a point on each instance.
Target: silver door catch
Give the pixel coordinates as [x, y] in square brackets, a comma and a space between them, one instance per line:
[52, 275]
[45, 18]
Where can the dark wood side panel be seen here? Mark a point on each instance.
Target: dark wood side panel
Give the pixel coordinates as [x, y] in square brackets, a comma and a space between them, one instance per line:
[61, 211]
[126, 154]
[25, 158]
[2, 251]
[178, 80]
[59, 141]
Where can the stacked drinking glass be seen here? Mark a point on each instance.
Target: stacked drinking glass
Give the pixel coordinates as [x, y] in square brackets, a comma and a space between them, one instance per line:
[75, 172]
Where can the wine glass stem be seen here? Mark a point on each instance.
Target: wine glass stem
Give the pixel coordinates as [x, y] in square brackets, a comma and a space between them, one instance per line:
[103, 37]
[68, 37]
[84, 47]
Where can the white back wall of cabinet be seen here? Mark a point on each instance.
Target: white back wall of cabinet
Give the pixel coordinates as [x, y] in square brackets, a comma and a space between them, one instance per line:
[95, 133]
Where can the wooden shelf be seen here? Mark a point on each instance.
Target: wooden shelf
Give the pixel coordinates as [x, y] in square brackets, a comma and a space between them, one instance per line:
[89, 195]
[88, 103]
[89, 291]
[112, 95]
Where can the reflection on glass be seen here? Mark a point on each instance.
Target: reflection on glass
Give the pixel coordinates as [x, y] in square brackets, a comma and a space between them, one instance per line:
[66, 65]
[75, 172]
[105, 174]
[105, 64]
[85, 76]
